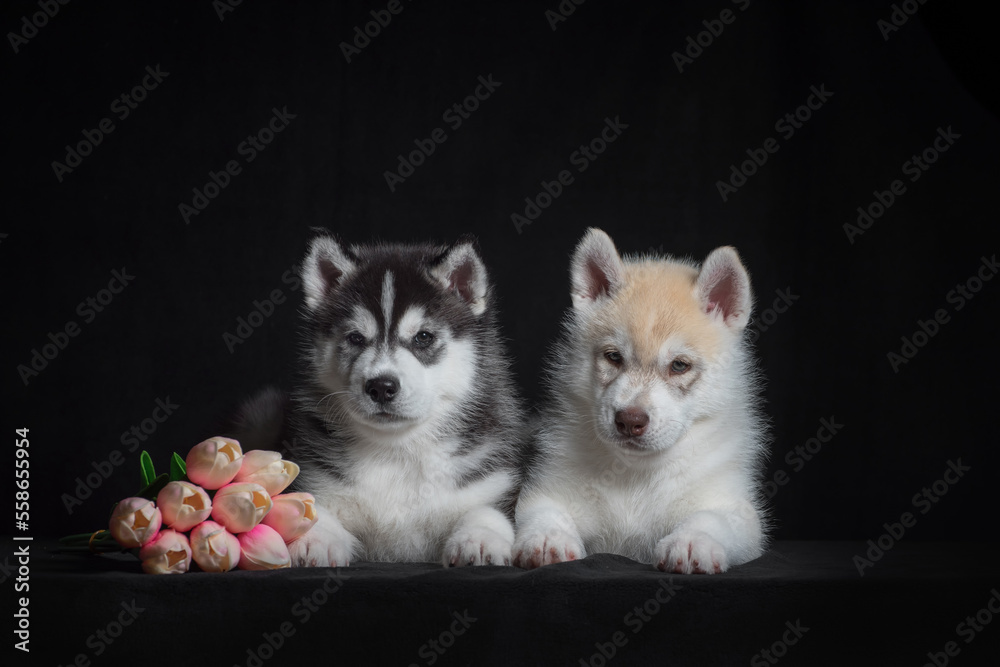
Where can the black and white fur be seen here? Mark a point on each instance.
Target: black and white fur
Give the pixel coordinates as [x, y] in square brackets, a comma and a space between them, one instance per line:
[406, 423]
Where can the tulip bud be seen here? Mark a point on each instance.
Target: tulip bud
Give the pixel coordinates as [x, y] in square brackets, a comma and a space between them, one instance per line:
[241, 506]
[292, 515]
[214, 548]
[169, 553]
[213, 463]
[135, 522]
[267, 468]
[184, 505]
[263, 549]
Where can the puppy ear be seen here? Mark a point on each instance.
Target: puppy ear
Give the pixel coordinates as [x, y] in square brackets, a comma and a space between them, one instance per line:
[723, 287]
[326, 266]
[596, 271]
[461, 270]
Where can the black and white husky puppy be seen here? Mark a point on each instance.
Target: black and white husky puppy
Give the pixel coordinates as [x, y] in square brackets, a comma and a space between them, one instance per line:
[406, 423]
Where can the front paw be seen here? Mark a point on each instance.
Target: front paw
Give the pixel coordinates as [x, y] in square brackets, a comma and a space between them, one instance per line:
[691, 553]
[325, 545]
[477, 546]
[538, 548]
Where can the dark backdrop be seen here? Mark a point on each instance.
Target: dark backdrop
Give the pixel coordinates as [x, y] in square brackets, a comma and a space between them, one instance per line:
[847, 299]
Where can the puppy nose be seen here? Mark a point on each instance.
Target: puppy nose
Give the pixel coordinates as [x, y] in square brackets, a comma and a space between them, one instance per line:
[382, 389]
[631, 422]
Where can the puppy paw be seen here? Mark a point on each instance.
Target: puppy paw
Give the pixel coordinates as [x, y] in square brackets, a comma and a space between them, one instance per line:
[325, 545]
[691, 553]
[477, 546]
[544, 548]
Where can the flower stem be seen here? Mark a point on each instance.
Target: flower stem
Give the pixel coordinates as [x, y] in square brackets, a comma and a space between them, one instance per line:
[99, 541]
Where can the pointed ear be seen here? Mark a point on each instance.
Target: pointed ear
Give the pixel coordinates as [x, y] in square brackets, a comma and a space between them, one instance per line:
[723, 287]
[461, 270]
[325, 267]
[596, 271]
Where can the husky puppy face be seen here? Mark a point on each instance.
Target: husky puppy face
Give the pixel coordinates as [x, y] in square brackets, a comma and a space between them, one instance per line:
[657, 337]
[392, 330]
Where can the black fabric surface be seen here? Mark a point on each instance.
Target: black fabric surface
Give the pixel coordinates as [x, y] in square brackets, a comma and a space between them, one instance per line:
[909, 603]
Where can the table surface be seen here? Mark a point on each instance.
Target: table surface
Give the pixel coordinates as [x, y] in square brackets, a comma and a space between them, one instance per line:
[800, 603]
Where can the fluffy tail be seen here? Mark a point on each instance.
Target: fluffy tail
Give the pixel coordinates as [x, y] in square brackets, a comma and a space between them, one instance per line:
[260, 422]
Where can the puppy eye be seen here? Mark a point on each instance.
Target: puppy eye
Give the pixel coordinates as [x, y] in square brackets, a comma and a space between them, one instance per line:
[678, 367]
[614, 356]
[423, 339]
[354, 338]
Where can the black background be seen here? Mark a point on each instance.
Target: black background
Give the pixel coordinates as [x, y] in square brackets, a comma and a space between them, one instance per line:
[653, 188]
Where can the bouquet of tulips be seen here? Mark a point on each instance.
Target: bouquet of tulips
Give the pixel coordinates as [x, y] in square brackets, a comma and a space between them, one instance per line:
[219, 507]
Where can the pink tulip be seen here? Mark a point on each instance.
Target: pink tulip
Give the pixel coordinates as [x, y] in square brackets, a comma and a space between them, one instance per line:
[240, 506]
[263, 549]
[169, 553]
[184, 505]
[214, 463]
[135, 522]
[292, 515]
[267, 468]
[214, 548]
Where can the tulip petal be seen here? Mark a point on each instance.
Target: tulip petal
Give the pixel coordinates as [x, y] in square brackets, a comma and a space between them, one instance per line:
[214, 548]
[263, 549]
[241, 506]
[169, 553]
[292, 515]
[135, 522]
[184, 505]
[214, 463]
[268, 469]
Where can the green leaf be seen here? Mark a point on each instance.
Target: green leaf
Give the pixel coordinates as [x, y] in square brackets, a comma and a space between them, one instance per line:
[153, 488]
[178, 469]
[148, 472]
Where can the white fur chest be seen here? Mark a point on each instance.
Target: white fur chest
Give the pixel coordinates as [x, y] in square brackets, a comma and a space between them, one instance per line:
[402, 505]
[625, 510]
[399, 503]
